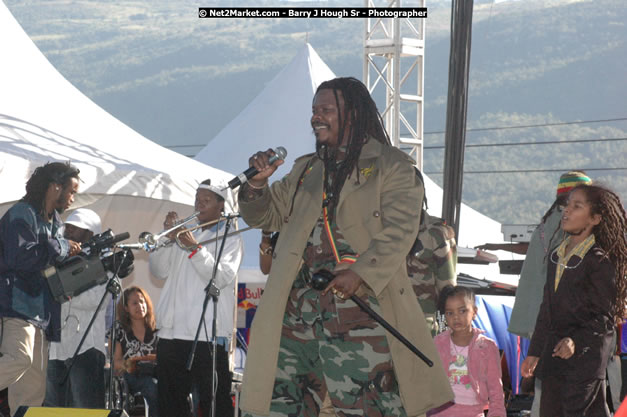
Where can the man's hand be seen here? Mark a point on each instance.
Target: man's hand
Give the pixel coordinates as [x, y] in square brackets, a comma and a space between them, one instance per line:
[564, 349]
[188, 240]
[344, 285]
[75, 247]
[170, 220]
[529, 366]
[519, 247]
[260, 162]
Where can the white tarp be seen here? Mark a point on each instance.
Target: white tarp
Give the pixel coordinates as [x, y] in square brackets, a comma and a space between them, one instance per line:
[129, 180]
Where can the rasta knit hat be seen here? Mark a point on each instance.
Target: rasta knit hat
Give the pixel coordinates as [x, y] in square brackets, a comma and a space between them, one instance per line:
[571, 179]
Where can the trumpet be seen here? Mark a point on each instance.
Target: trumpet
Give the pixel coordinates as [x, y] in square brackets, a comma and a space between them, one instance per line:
[209, 223]
[152, 241]
[191, 229]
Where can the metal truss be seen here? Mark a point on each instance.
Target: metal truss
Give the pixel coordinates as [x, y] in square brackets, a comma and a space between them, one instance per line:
[394, 70]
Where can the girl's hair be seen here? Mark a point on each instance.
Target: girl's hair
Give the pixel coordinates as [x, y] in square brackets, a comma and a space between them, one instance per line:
[450, 291]
[125, 318]
[611, 236]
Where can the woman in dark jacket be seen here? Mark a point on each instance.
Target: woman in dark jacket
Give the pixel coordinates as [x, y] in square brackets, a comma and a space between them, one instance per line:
[583, 299]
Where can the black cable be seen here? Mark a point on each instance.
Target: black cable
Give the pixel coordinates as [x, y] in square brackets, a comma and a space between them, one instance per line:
[1, 332]
[182, 146]
[521, 171]
[487, 129]
[483, 129]
[467, 130]
[550, 142]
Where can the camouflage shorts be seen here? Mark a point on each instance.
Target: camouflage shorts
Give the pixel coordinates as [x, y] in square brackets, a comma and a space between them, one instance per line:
[332, 346]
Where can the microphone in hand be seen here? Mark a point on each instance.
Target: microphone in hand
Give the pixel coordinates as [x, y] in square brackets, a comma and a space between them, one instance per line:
[279, 154]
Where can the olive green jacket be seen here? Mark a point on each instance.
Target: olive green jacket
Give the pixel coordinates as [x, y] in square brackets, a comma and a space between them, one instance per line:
[379, 216]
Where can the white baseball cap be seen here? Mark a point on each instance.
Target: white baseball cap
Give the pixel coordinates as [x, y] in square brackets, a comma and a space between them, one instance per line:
[85, 219]
[219, 189]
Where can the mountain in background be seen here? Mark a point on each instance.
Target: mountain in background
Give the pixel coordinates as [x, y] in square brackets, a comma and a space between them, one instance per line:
[179, 80]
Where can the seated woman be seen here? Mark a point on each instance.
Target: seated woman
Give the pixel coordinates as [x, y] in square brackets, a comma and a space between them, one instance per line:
[136, 341]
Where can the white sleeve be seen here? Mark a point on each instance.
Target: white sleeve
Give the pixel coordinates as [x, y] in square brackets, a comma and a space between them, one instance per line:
[203, 262]
[160, 262]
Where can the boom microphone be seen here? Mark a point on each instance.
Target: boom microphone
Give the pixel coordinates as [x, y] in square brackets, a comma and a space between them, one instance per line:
[279, 153]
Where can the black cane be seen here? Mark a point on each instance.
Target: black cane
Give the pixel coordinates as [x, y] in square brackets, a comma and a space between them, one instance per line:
[321, 279]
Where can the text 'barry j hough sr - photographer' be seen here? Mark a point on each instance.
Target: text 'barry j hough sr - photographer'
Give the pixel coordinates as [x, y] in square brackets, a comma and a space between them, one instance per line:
[318, 12]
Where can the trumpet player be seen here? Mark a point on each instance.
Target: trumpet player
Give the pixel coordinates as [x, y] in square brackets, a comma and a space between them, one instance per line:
[187, 268]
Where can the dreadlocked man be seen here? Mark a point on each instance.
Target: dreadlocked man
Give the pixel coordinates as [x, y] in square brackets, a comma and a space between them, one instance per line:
[351, 208]
[31, 238]
[584, 298]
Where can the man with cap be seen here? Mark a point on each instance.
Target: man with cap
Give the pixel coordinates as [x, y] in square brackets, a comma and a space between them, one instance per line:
[546, 237]
[30, 240]
[187, 271]
[84, 386]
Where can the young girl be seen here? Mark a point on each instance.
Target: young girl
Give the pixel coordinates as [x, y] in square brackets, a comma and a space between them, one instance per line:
[136, 341]
[584, 297]
[471, 359]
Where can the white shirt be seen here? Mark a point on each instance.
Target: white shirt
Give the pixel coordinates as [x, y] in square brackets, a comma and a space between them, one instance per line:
[180, 305]
[75, 316]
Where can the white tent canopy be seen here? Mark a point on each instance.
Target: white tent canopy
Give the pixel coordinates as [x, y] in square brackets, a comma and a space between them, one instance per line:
[279, 116]
[129, 180]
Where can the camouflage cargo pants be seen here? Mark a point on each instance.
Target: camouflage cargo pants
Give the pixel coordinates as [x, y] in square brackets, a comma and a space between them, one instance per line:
[332, 346]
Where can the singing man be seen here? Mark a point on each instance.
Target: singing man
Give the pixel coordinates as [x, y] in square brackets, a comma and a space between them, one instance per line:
[352, 207]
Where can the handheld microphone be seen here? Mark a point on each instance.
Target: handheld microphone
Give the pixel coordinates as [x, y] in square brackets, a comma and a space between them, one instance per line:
[279, 153]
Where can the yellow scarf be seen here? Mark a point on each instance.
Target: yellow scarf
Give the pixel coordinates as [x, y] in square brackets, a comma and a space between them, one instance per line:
[562, 258]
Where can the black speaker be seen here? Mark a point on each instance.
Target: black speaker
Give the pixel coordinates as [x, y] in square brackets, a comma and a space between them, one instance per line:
[25, 411]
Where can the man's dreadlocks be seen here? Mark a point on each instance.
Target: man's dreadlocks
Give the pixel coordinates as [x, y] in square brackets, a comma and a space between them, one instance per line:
[361, 120]
[37, 185]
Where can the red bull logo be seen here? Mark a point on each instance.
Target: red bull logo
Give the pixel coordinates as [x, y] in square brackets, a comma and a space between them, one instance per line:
[246, 305]
[245, 293]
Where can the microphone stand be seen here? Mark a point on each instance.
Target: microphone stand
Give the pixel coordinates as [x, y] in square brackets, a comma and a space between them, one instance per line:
[211, 292]
[113, 286]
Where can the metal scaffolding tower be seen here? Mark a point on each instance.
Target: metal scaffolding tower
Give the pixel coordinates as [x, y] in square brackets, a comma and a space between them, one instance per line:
[394, 67]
